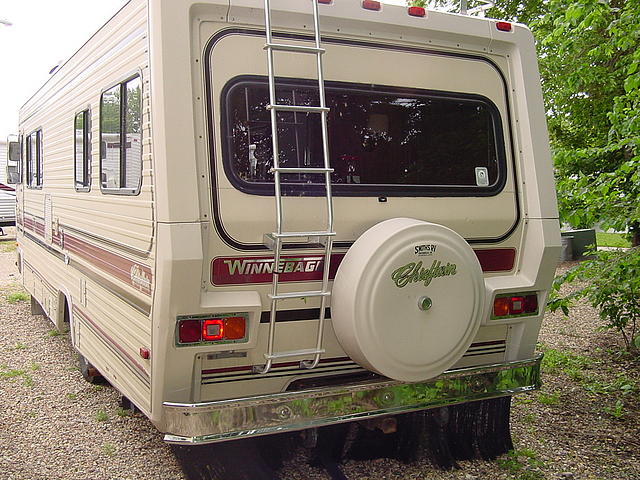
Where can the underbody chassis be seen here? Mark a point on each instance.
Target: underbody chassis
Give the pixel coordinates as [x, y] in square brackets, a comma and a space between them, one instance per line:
[209, 422]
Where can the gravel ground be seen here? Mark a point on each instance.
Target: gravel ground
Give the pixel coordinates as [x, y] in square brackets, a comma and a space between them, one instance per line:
[54, 425]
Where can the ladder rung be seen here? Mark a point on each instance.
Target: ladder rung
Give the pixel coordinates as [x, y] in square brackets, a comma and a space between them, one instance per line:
[297, 108]
[293, 353]
[302, 234]
[301, 170]
[311, 293]
[293, 48]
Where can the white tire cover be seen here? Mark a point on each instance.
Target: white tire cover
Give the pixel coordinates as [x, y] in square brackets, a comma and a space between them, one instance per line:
[378, 288]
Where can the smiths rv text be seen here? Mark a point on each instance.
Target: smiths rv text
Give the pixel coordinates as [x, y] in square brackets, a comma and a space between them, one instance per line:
[259, 220]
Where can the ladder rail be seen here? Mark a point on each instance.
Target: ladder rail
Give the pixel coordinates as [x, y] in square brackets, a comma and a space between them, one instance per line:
[278, 236]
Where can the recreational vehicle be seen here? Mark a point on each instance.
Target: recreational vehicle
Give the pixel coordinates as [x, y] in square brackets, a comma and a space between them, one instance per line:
[258, 219]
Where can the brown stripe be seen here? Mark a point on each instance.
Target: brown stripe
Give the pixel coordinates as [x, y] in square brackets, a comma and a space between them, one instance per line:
[133, 273]
[111, 341]
[275, 365]
[138, 275]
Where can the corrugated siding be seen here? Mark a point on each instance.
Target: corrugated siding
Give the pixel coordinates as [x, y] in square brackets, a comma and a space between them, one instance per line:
[109, 238]
[116, 52]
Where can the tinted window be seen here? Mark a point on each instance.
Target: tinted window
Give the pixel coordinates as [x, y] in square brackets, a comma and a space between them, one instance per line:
[34, 159]
[121, 137]
[82, 154]
[381, 140]
[132, 147]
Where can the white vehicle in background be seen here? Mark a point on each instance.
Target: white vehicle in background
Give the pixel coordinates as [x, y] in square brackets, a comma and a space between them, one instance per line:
[9, 158]
[392, 257]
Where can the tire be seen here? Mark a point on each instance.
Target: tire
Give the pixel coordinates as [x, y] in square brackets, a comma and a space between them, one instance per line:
[89, 372]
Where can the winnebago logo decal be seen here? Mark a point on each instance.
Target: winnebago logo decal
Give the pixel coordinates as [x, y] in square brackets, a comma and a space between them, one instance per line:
[414, 273]
[241, 270]
[424, 250]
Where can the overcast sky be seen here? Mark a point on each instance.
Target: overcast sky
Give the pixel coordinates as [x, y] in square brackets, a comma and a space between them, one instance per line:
[43, 33]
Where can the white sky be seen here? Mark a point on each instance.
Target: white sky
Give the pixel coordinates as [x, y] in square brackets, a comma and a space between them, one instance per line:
[43, 33]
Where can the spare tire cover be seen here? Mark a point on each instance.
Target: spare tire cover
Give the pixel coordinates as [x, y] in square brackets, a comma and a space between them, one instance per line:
[408, 299]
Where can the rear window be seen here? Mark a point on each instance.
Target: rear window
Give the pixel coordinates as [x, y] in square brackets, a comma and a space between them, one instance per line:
[382, 140]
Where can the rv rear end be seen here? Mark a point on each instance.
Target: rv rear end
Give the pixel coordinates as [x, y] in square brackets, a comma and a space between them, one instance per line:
[444, 213]
[148, 212]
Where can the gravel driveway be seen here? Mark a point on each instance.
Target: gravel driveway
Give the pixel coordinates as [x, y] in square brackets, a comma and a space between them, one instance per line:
[54, 425]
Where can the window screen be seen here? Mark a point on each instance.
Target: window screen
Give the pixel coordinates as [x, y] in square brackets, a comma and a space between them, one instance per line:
[381, 140]
[121, 138]
[82, 151]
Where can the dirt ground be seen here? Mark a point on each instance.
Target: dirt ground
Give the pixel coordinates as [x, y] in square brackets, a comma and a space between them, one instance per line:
[584, 424]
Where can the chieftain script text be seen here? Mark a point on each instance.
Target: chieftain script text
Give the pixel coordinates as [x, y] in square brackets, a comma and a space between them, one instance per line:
[414, 272]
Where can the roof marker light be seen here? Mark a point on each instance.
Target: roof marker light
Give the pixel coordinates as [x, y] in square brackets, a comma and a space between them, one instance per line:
[417, 11]
[503, 26]
[325, 1]
[371, 5]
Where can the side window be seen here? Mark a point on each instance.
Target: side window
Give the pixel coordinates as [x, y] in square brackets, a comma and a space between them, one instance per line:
[34, 159]
[82, 152]
[121, 138]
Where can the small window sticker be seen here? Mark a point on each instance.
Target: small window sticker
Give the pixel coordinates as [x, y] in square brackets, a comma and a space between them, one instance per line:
[482, 177]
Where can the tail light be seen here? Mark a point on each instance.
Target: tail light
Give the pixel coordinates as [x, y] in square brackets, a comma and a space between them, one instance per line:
[515, 305]
[221, 329]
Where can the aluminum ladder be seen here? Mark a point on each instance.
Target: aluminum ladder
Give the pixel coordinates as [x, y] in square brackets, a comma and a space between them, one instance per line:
[324, 236]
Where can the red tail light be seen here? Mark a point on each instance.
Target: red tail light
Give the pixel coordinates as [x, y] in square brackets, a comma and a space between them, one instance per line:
[189, 331]
[507, 306]
[212, 329]
[417, 11]
[503, 26]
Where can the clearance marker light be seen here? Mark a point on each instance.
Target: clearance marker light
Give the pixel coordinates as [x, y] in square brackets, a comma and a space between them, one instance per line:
[328, 2]
[503, 26]
[371, 5]
[417, 11]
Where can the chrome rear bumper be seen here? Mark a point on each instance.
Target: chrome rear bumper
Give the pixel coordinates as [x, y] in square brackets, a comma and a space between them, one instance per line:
[208, 422]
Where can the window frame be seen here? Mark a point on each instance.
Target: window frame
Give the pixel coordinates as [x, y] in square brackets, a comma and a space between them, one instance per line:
[363, 190]
[122, 125]
[85, 185]
[38, 161]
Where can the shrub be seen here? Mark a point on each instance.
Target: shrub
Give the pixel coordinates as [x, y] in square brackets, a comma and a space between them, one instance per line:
[612, 286]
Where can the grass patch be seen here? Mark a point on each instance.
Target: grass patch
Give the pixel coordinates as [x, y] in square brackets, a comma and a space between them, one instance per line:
[109, 449]
[55, 333]
[616, 411]
[549, 398]
[123, 412]
[572, 365]
[70, 396]
[13, 373]
[612, 240]
[522, 464]
[8, 247]
[101, 416]
[19, 346]
[16, 297]
[28, 380]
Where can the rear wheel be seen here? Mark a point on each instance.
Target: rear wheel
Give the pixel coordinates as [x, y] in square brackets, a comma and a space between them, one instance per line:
[88, 371]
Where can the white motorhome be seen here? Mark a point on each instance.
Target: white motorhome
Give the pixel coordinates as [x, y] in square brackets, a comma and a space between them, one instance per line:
[410, 215]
